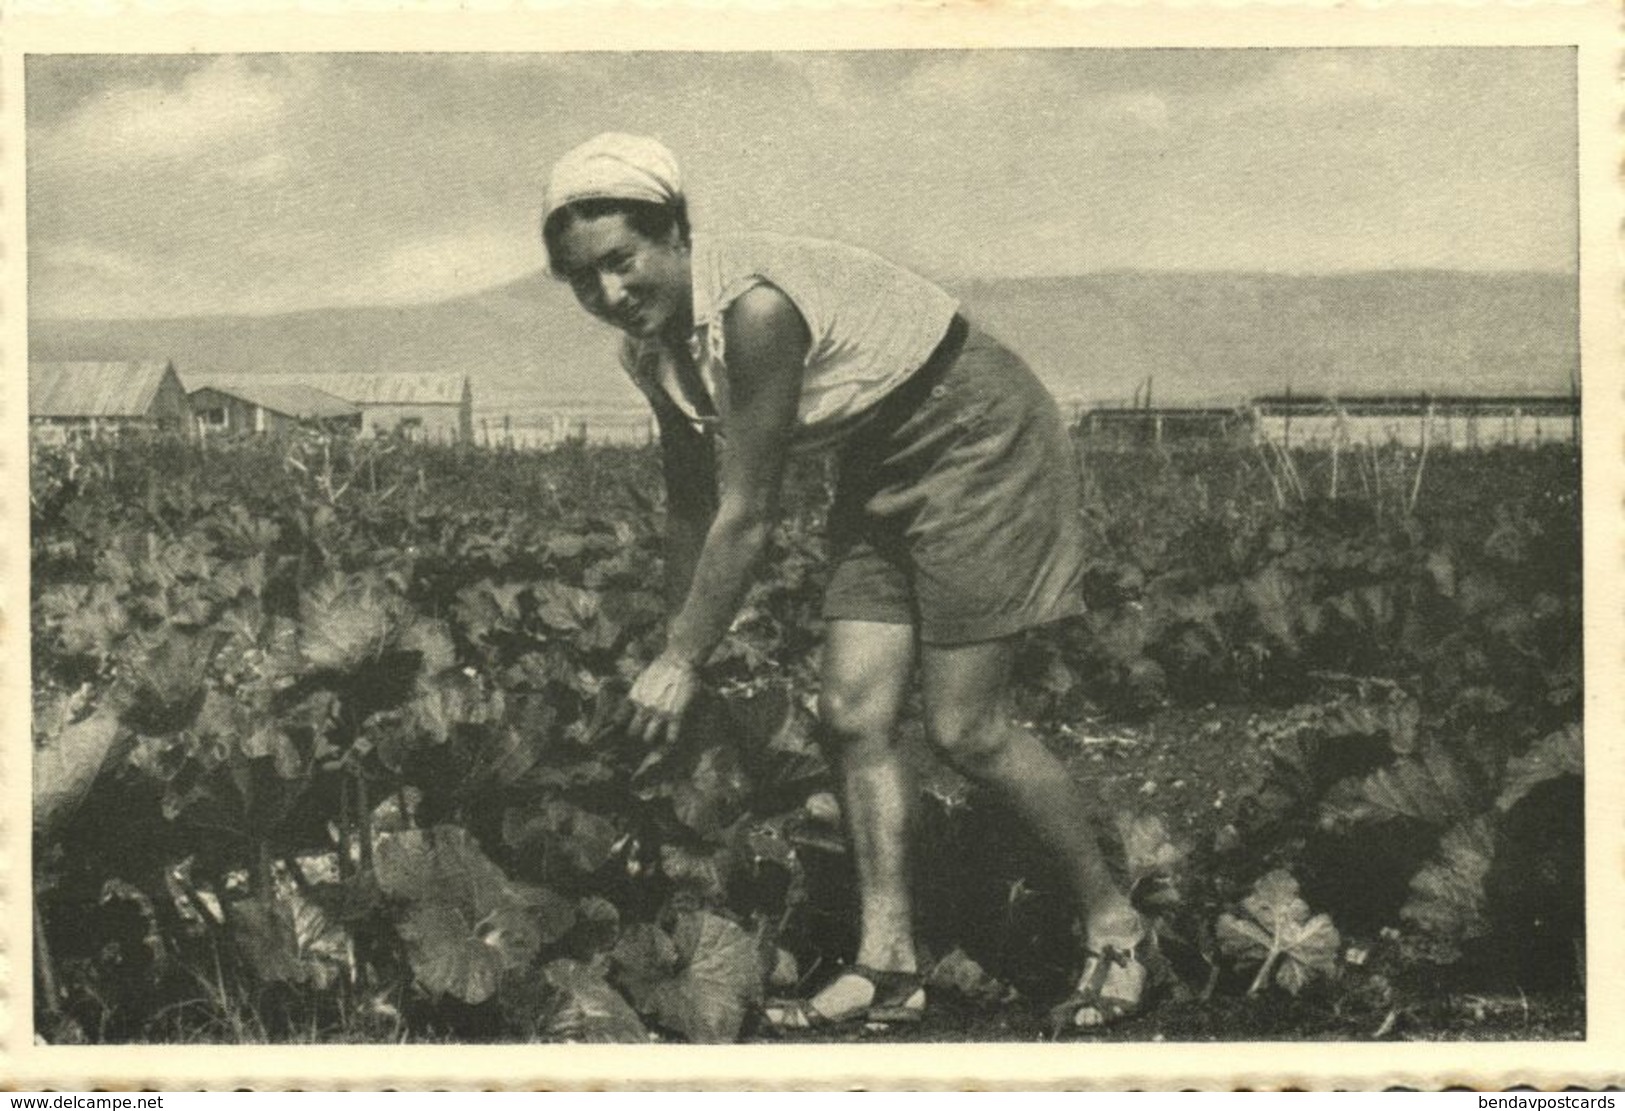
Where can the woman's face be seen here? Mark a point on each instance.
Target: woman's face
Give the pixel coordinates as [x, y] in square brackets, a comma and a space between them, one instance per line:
[639, 285]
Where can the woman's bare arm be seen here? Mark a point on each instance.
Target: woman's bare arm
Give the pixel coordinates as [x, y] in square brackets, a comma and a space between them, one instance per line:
[691, 497]
[767, 343]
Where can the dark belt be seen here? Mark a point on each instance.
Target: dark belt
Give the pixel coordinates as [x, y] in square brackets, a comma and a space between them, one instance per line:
[909, 396]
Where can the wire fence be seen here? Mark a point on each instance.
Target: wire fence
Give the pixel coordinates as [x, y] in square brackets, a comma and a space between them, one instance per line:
[550, 428]
[1453, 425]
[1457, 424]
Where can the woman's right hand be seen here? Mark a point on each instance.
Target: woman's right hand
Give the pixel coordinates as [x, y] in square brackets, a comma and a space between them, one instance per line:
[660, 698]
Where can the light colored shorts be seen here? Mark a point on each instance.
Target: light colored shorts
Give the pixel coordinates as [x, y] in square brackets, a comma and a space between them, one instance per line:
[956, 507]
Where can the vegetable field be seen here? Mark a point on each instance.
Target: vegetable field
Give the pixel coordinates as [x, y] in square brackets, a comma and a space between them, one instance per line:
[322, 752]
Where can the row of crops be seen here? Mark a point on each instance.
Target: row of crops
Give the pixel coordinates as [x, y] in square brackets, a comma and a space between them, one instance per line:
[323, 742]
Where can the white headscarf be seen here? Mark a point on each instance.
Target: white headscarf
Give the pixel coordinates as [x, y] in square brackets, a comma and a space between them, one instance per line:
[614, 166]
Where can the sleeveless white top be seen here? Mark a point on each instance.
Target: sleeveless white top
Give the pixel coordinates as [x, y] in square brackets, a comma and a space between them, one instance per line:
[872, 324]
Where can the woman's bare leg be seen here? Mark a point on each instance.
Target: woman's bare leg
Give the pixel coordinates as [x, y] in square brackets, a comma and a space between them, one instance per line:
[968, 719]
[866, 670]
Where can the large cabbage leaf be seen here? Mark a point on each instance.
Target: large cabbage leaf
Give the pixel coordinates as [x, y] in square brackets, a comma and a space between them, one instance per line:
[1389, 713]
[431, 639]
[595, 929]
[68, 755]
[719, 977]
[570, 609]
[289, 938]
[1447, 897]
[561, 835]
[699, 875]
[442, 702]
[1430, 787]
[1270, 595]
[644, 957]
[586, 1008]
[705, 777]
[165, 671]
[269, 741]
[1275, 930]
[464, 922]
[1561, 753]
[344, 623]
[457, 952]
[485, 608]
[713, 794]
[89, 621]
[442, 863]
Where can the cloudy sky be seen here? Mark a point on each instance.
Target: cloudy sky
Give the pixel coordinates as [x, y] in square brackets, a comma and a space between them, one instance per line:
[178, 185]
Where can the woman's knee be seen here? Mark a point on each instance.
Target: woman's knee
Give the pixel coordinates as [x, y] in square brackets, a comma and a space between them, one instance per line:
[856, 713]
[971, 736]
[865, 670]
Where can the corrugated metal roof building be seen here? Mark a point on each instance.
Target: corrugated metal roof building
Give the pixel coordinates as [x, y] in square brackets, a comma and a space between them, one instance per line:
[106, 399]
[268, 407]
[428, 406]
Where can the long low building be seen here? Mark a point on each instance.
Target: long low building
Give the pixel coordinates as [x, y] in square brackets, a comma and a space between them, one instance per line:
[269, 408]
[1320, 421]
[1461, 421]
[1163, 426]
[432, 407]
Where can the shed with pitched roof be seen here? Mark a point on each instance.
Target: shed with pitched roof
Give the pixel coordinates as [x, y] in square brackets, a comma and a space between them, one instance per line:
[437, 407]
[259, 406]
[106, 399]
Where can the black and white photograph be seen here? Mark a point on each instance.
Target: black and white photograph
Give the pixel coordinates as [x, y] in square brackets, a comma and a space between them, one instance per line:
[822, 549]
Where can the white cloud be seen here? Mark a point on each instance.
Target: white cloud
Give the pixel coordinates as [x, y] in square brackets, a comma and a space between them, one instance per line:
[70, 277]
[266, 183]
[225, 102]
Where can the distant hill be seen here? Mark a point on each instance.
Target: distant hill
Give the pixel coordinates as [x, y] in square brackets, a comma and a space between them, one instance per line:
[1199, 337]
[1208, 337]
[524, 345]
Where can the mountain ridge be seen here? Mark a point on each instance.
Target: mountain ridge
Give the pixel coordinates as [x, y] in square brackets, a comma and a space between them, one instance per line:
[1198, 337]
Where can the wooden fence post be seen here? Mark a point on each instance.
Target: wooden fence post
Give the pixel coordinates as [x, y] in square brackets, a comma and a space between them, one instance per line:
[1574, 402]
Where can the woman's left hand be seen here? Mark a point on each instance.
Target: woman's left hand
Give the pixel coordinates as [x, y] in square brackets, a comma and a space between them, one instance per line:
[660, 697]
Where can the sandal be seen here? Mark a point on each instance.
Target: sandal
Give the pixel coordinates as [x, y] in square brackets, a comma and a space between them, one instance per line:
[893, 1003]
[1091, 993]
